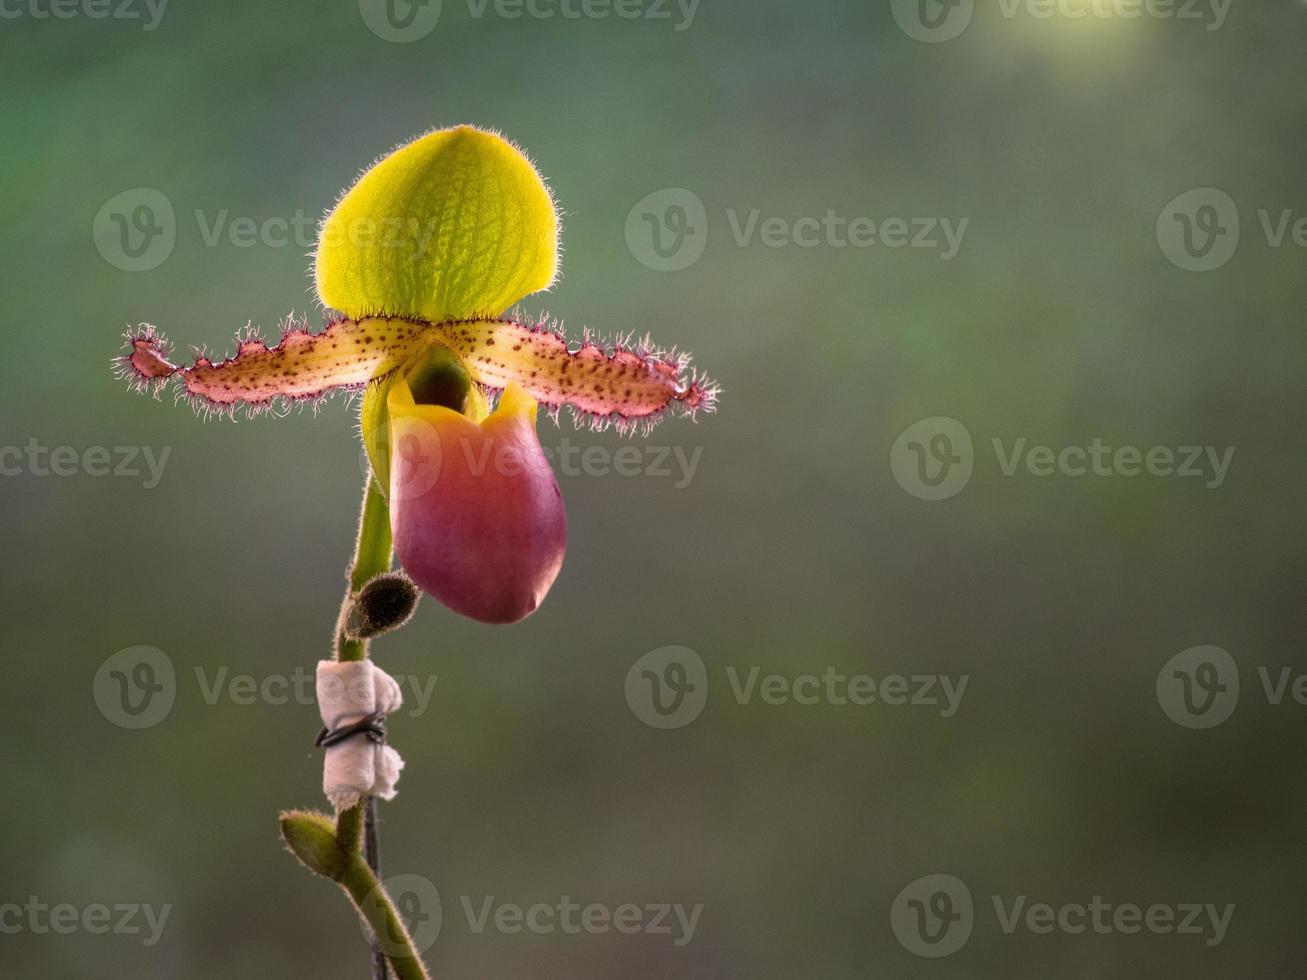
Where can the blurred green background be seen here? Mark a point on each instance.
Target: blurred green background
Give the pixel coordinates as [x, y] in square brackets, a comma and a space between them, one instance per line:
[800, 828]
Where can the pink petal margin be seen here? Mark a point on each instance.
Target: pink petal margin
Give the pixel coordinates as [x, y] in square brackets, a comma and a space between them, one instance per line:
[301, 367]
[630, 385]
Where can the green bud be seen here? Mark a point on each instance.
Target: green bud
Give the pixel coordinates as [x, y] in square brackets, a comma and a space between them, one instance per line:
[311, 837]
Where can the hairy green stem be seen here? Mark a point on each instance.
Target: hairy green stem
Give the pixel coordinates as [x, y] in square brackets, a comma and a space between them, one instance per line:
[371, 558]
[379, 912]
[356, 826]
[311, 838]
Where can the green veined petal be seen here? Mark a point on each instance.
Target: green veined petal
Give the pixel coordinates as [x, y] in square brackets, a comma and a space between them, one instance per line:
[456, 224]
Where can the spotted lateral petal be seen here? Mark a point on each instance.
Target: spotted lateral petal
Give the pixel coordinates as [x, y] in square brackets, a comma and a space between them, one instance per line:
[302, 366]
[629, 386]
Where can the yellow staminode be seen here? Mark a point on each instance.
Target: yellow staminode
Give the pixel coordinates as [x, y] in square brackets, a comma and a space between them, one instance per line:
[455, 225]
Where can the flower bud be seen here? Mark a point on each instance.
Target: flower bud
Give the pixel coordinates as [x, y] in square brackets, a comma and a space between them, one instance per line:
[385, 603]
[311, 837]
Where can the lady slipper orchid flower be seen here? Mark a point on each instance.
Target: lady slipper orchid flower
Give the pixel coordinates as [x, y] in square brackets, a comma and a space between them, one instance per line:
[421, 257]
[477, 515]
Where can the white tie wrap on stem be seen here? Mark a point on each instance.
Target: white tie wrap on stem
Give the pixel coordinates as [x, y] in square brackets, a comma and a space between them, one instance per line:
[348, 693]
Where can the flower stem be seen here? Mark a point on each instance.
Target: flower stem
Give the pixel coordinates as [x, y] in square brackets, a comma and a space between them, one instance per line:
[371, 558]
[356, 828]
[381, 916]
[372, 856]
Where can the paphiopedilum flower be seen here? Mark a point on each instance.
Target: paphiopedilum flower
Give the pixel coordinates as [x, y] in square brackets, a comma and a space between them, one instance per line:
[421, 258]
